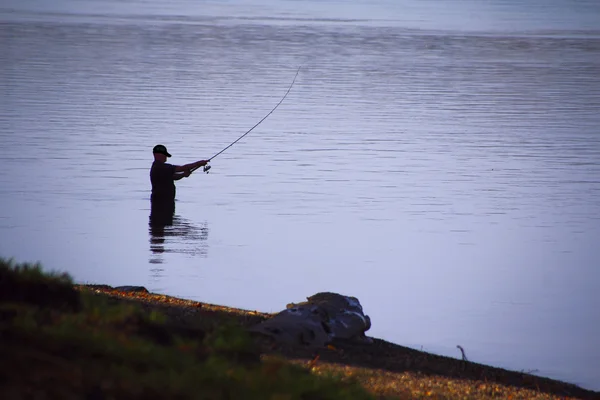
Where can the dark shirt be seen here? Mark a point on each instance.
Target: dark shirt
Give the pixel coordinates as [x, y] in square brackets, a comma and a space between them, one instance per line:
[163, 184]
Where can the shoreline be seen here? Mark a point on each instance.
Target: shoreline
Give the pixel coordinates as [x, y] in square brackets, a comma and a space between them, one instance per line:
[379, 366]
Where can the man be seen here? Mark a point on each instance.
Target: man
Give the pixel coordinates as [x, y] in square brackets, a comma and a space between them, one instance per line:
[163, 177]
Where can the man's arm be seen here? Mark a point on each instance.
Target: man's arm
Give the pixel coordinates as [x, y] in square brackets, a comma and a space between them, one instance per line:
[189, 167]
[178, 175]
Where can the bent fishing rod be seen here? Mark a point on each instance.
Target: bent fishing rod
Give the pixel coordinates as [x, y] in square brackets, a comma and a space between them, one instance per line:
[207, 167]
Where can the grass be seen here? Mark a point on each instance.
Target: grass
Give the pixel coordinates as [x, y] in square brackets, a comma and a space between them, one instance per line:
[58, 342]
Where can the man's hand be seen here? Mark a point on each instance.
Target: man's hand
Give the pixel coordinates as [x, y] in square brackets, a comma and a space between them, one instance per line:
[201, 163]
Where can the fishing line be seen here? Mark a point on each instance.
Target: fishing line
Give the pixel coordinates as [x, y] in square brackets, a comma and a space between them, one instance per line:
[207, 167]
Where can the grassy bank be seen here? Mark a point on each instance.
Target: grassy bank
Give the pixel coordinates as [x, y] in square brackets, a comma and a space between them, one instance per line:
[60, 340]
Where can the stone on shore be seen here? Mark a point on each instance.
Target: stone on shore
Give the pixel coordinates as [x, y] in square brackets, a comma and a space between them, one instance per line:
[132, 289]
[318, 321]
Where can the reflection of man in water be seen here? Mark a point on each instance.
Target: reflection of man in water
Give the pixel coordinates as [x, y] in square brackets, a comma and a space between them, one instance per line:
[181, 237]
[163, 177]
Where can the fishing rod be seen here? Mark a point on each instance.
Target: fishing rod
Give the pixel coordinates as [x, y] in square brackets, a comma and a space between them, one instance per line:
[207, 167]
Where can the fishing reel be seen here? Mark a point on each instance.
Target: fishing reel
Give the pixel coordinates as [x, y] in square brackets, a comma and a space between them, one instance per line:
[206, 168]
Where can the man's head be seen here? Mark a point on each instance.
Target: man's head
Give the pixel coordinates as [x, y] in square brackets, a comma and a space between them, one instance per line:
[160, 152]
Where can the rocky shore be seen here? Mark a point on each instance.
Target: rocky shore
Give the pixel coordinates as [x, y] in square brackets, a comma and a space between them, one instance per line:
[385, 369]
[67, 341]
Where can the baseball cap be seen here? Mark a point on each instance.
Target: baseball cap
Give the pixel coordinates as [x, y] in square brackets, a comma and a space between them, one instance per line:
[159, 148]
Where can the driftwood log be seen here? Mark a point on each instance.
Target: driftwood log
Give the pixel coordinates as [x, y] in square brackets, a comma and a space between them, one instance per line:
[318, 321]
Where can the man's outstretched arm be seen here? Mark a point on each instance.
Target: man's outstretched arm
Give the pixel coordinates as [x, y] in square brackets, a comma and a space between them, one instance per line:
[178, 175]
[190, 166]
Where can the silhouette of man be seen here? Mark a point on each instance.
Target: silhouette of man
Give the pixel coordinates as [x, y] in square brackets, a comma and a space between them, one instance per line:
[163, 177]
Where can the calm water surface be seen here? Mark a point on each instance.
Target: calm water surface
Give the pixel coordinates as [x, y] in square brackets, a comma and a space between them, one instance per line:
[440, 163]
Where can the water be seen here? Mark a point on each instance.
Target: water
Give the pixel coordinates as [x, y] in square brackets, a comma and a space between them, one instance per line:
[442, 164]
